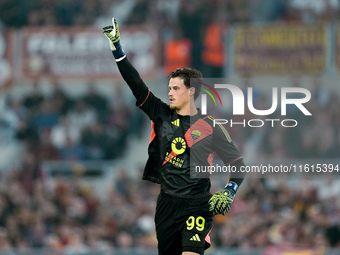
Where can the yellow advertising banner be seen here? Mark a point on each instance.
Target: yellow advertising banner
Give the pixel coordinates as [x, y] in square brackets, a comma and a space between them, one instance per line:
[280, 50]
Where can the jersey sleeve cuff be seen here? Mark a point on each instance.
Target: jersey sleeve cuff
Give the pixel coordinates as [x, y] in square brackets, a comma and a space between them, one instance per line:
[120, 59]
[232, 185]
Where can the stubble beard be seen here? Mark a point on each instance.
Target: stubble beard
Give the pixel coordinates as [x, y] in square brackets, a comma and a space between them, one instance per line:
[172, 107]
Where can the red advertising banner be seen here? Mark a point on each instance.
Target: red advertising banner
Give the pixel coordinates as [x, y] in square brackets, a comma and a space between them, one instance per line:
[280, 50]
[6, 58]
[61, 52]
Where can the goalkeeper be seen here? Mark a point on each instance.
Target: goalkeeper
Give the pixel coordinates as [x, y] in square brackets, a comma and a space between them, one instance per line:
[181, 137]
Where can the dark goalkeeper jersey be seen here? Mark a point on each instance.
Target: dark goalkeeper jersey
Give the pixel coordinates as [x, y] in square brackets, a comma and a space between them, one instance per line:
[178, 143]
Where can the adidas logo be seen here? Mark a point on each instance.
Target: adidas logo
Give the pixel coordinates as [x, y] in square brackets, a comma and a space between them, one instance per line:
[175, 122]
[195, 238]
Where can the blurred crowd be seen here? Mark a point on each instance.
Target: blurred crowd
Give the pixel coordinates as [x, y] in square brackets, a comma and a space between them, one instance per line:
[282, 212]
[315, 136]
[18, 13]
[70, 217]
[60, 127]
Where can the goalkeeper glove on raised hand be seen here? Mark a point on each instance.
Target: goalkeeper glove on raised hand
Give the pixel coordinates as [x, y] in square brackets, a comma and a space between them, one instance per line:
[113, 34]
[221, 201]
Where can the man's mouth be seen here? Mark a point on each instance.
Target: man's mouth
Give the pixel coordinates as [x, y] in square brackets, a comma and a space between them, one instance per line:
[171, 100]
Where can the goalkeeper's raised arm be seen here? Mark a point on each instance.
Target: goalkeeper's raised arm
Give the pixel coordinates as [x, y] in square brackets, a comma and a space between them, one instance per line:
[145, 99]
[128, 72]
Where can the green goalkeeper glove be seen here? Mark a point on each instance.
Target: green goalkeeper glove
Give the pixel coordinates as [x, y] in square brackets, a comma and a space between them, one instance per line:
[221, 201]
[113, 34]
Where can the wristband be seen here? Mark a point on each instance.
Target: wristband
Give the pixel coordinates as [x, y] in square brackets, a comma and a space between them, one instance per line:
[119, 52]
[231, 185]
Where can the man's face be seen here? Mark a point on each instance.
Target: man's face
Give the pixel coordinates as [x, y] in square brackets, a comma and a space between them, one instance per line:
[179, 94]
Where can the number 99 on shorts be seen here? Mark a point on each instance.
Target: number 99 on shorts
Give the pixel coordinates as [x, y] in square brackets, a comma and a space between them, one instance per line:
[197, 222]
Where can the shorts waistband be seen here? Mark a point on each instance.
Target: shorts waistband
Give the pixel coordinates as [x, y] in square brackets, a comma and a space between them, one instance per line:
[191, 197]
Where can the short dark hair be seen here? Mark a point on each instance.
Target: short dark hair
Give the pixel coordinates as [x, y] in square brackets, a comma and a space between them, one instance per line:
[191, 78]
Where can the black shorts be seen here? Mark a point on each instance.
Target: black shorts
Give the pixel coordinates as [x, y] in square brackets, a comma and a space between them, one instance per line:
[182, 225]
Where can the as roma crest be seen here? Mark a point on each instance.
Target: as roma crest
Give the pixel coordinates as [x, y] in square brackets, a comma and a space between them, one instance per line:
[195, 134]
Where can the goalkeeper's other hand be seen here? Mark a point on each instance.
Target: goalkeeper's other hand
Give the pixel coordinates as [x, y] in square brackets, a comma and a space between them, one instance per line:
[113, 34]
[221, 201]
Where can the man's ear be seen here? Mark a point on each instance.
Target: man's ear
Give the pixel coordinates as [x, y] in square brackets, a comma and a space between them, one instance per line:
[192, 91]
